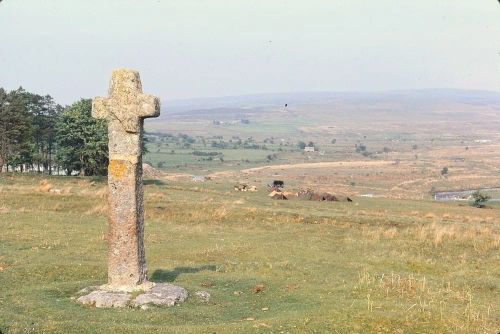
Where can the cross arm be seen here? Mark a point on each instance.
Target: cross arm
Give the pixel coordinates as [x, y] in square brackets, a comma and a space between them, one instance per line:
[100, 108]
[149, 106]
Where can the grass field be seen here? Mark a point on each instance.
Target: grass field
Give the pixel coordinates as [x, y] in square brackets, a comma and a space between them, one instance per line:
[373, 266]
[393, 261]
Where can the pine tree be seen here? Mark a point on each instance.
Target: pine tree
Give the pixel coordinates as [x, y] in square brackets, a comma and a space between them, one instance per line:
[45, 112]
[16, 128]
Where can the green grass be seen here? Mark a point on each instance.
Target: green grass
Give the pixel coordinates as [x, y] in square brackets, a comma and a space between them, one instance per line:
[374, 266]
[184, 160]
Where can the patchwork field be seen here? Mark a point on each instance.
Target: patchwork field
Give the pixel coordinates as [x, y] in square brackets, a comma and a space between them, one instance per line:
[386, 146]
[373, 266]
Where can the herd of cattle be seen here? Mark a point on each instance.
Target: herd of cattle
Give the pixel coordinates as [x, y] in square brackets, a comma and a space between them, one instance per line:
[276, 192]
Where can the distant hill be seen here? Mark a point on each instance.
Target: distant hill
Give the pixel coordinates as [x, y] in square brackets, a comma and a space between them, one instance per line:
[248, 104]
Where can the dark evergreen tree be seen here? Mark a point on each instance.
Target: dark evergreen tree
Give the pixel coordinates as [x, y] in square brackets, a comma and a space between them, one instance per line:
[45, 112]
[16, 128]
[82, 140]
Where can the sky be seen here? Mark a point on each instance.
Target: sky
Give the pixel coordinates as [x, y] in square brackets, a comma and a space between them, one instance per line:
[207, 48]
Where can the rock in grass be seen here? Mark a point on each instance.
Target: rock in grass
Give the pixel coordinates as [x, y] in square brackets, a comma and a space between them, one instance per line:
[258, 288]
[101, 298]
[204, 296]
[162, 294]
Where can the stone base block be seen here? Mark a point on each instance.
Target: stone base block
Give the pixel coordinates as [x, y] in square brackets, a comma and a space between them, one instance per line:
[103, 298]
[160, 294]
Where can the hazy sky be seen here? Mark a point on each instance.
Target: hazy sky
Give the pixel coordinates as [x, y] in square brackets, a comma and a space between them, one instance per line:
[187, 48]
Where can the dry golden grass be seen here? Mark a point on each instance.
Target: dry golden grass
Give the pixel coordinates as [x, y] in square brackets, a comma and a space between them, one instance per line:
[430, 215]
[421, 296]
[97, 210]
[446, 217]
[391, 233]
[102, 193]
[44, 186]
[4, 209]
[220, 213]
[483, 238]
[156, 197]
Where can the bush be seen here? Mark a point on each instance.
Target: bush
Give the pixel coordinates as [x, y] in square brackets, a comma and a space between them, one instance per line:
[254, 147]
[479, 199]
[206, 154]
[360, 148]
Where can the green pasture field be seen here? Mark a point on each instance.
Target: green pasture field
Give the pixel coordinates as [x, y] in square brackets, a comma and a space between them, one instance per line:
[184, 160]
[373, 266]
[401, 135]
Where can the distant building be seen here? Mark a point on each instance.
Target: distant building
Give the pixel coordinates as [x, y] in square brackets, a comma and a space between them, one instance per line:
[309, 149]
[198, 178]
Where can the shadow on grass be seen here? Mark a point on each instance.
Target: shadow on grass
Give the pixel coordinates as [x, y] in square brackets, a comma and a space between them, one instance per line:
[155, 182]
[160, 275]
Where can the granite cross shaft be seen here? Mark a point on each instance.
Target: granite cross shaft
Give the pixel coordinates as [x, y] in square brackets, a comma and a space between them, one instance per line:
[125, 110]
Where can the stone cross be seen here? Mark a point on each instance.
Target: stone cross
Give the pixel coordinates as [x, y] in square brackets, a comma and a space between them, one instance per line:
[125, 110]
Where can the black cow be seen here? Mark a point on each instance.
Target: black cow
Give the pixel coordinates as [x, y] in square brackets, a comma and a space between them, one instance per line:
[278, 184]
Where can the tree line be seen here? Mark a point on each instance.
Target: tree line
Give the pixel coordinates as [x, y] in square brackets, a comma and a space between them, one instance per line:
[39, 135]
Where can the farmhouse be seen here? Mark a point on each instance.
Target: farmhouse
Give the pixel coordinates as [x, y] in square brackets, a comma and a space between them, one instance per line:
[309, 149]
[200, 178]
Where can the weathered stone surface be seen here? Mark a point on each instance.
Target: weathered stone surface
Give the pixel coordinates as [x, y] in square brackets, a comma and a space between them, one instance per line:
[204, 296]
[125, 110]
[159, 294]
[162, 294]
[102, 298]
[126, 102]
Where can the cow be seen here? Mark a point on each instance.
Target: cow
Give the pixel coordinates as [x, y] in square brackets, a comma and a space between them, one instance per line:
[278, 184]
